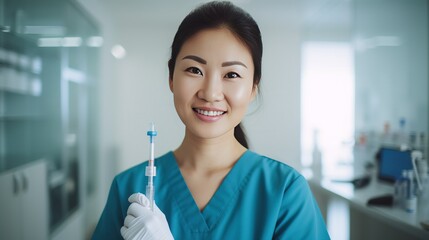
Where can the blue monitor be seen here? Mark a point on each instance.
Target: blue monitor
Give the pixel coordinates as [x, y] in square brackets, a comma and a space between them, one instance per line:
[392, 162]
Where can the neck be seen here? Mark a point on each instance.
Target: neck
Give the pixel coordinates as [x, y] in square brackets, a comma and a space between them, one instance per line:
[208, 154]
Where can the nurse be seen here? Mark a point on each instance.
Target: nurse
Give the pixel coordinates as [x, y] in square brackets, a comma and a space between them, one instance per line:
[212, 186]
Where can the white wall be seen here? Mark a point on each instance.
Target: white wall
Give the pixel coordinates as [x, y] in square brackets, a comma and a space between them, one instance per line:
[274, 128]
[143, 92]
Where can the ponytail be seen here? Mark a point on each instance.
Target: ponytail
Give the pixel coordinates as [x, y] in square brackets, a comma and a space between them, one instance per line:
[240, 136]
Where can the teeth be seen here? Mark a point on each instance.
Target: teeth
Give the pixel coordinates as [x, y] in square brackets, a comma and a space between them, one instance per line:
[209, 113]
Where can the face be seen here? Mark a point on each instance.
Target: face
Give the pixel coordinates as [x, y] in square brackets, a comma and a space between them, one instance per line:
[212, 83]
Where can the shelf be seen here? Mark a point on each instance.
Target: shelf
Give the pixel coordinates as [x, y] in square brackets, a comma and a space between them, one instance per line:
[15, 39]
[19, 118]
[20, 92]
[20, 82]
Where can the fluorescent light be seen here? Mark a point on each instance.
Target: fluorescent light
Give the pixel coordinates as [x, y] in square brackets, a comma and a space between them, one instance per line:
[49, 42]
[60, 42]
[94, 41]
[72, 41]
[118, 51]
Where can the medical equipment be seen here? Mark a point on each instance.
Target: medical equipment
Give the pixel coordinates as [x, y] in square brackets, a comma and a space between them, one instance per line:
[410, 192]
[420, 169]
[399, 192]
[150, 168]
[391, 162]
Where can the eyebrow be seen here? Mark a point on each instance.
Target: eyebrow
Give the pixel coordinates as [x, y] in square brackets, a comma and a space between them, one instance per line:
[195, 58]
[224, 64]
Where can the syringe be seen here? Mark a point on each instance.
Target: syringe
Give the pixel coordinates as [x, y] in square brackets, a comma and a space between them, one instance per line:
[151, 169]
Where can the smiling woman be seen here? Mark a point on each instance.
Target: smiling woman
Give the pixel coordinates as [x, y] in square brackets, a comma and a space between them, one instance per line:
[212, 77]
[212, 186]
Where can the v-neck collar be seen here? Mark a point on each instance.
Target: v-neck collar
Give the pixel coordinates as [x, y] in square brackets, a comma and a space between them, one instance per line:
[202, 221]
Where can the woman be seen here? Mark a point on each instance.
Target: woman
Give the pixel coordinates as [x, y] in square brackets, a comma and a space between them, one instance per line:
[212, 186]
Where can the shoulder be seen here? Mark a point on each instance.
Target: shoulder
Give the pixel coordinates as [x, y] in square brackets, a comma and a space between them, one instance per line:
[278, 170]
[276, 177]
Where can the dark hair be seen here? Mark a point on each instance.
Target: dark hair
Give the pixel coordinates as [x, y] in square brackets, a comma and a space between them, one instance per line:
[219, 14]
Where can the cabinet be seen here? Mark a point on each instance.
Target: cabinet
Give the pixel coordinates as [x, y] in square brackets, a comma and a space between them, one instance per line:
[24, 202]
[48, 92]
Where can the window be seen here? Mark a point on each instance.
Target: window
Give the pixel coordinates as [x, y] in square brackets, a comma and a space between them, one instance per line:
[327, 98]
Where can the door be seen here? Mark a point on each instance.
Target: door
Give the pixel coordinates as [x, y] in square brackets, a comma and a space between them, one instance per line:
[10, 215]
[34, 202]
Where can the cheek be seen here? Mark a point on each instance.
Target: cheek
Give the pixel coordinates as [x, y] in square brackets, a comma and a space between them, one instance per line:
[183, 91]
[240, 94]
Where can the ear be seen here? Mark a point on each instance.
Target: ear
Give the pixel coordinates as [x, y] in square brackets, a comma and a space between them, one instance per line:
[170, 64]
[170, 83]
[255, 90]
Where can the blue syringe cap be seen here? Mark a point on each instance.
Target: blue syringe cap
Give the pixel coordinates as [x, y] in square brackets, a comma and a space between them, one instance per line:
[152, 133]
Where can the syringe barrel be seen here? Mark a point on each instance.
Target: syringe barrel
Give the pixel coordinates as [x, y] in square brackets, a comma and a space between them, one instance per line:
[150, 193]
[152, 153]
[150, 168]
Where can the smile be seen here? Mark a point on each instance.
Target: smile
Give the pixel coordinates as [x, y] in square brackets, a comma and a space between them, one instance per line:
[209, 113]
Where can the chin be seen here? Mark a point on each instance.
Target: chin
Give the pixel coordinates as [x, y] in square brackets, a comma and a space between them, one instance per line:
[207, 132]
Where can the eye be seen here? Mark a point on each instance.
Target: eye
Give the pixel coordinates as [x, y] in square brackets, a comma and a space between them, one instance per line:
[194, 70]
[232, 75]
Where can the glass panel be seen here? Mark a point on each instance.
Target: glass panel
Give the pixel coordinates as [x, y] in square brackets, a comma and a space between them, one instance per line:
[391, 70]
[48, 96]
[74, 142]
[388, 41]
[21, 87]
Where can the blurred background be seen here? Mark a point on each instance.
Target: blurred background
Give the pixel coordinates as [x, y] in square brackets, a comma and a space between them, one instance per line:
[81, 80]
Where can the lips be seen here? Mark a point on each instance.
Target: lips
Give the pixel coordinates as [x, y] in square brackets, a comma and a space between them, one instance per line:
[208, 114]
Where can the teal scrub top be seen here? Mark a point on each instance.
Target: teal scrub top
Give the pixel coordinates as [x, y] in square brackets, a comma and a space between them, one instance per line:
[260, 198]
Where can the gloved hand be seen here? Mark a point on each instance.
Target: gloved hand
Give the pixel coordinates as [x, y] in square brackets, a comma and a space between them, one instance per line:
[142, 223]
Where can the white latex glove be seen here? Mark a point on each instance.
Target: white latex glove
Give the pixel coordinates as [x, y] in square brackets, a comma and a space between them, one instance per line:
[142, 223]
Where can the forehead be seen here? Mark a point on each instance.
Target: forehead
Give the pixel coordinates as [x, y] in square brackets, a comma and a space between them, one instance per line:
[216, 44]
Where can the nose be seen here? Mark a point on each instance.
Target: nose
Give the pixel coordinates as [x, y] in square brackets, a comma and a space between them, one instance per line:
[211, 90]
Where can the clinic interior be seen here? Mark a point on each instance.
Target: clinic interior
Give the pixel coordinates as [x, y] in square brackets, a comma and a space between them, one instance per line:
[344, 84]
